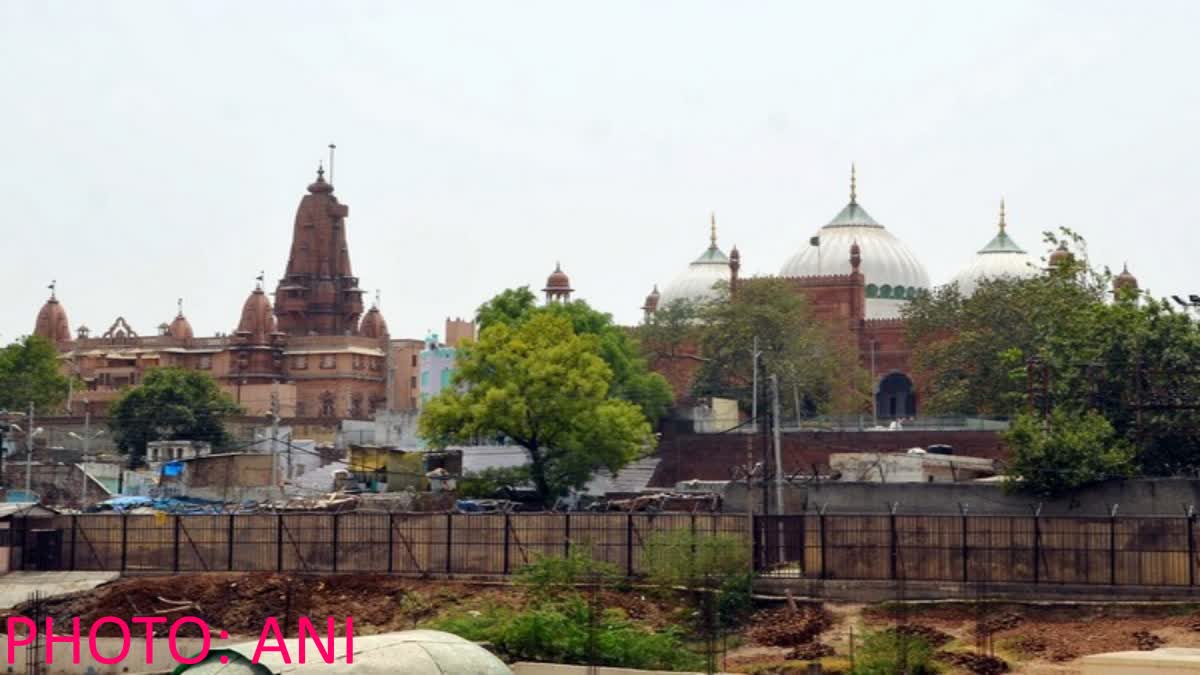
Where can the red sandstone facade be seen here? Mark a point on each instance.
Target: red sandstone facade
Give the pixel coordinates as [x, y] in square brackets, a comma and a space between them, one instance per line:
[314, 354]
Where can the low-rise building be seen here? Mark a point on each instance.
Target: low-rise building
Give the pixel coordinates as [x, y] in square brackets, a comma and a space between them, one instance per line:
[914, 466]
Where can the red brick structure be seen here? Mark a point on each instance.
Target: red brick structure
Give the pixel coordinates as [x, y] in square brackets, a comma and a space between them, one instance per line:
[855, 276]
[314, 354]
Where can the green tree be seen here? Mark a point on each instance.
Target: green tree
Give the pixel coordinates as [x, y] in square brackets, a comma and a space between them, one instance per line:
[672, 331]
[170, 404]
[632, 379]
[29, 372]
[548, 389]
[1089, 351]
[1063, 452]
[819, 372]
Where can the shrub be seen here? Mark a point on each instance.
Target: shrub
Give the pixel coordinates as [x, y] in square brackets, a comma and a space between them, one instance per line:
[548, 576]
[893, 653]
[719, 564]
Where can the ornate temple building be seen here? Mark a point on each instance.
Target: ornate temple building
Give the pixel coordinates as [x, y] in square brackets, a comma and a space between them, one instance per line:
[856, 276]
[313, 353]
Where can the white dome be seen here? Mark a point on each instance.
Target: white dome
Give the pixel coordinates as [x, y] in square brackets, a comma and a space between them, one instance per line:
[892, 272]
[697, 282]
[999, 259]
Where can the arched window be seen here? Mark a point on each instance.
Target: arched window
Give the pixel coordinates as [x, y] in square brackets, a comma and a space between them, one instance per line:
[872, 291]
[885, 291]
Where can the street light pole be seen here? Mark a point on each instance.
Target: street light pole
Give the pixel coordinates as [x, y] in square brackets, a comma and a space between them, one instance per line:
[29, 454]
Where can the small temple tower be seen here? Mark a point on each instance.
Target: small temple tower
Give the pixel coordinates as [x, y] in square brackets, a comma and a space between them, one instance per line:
[558, 286]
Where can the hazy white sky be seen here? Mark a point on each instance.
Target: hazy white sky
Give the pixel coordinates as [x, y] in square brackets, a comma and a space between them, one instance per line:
[156, 150]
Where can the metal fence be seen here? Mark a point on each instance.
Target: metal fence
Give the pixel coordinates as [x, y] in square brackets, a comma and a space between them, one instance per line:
[392, 543]
[1124, 550]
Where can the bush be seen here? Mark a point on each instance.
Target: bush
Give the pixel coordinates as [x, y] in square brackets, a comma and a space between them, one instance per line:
[565, 632]
[893, 653]
[718, 564]
[550, 576]
[487, 484]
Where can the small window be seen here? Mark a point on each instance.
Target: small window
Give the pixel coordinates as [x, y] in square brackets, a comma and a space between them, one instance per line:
[872, 291]
[912, 293]
[414, 360]
[205, 362]
[300, 362]
[413, 382]
[885, 291]
[328, 361]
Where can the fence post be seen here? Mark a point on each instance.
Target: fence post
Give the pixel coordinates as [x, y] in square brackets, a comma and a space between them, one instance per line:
[804, 542]
[821, 526]
[336, 523]
[567, 535]
[1037, 544]
[229, 562]
[175, 551]
[279, 542]
[965, 552]
[391, 542]
[1112, 545]
[892, 567]
[449, 538]
[124, 541]
[629, 545]
[1191, 544]
[506, 526]
[75, 538]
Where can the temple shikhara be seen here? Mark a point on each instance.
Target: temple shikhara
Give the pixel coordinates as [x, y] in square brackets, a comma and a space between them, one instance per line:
[315, 353]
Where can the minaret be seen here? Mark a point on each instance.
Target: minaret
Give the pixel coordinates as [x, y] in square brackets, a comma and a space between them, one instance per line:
[319, 294]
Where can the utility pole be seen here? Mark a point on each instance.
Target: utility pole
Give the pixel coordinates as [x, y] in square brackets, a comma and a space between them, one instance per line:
[275, 439]
[754, 354]
[29, 454]
[778, 444]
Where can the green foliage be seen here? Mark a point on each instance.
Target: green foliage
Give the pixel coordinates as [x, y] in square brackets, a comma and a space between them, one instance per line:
[488, 483]
[1065, 452]
[170, 404]
[671, 329]
[569, 632]
[632, 379]
[1100, 354]
[547, 388]
[820, 372]
[29, 372]
[553, 576]
[559, 625]
[891, 652]
[706, 564]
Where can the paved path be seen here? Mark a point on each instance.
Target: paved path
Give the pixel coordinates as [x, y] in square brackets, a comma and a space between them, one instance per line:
[15, 587]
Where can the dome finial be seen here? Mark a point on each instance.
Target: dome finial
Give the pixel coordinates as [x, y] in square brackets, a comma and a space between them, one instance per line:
[712, 237]
[179, 304]
[853, 185]
[1002, 223]
[377, 301]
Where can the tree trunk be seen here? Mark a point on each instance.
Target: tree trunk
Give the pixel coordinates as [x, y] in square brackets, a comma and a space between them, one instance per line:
[537, 473]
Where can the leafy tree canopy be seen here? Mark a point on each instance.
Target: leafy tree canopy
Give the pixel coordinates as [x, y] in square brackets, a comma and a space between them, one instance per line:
[548, 389]
[1064, 332]
[820, 372]
[29, 372]
[632, 379]
[1064, 452]
[170, 404]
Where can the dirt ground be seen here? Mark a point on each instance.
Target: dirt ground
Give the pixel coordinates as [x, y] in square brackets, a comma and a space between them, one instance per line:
[1036, 639]
[1032, 639]
[239, 603]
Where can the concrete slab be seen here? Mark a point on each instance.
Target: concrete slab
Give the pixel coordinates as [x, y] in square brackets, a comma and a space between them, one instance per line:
[1167, 661]
[15, 587]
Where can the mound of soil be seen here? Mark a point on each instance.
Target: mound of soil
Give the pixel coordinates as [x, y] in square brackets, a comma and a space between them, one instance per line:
[979, 664]
[1147, 641]
[810, 652]
[931, 636]
[784, 627]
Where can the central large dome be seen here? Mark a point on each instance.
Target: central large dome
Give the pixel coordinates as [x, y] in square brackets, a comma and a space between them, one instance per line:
[892, 273]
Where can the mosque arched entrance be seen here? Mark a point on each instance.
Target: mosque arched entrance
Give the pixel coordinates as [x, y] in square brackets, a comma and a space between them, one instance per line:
[895, 397]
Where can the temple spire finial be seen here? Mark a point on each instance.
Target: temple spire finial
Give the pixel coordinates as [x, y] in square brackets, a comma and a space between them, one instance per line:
[320, 171]
[712, 235]
[1002, 223]
[377, 298]
[262, 275]
[179, 304]
[53, 289]
[853, 184]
